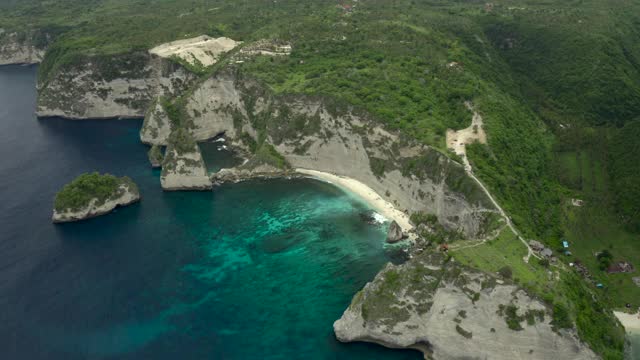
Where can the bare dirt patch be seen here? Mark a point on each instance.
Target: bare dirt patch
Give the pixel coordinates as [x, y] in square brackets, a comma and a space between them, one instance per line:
[203, 49]
[457, 140]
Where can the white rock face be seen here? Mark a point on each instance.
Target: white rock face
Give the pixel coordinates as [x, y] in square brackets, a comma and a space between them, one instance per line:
[428, 305]
[202, 49]
[125, 196]
[184, 170]
[156, 127]
[85, 92]
[339, 144]
[14, 51]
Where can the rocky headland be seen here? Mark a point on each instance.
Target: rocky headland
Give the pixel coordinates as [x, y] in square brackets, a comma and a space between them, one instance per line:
[91, 195]
[449, 311]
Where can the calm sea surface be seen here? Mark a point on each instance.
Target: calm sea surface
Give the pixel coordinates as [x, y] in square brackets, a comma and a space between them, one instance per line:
[257, 270]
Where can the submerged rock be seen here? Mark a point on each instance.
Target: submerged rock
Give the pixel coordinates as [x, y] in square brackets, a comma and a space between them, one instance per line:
[395, 233]
[449, 311]
[183, 167]
[91, 195]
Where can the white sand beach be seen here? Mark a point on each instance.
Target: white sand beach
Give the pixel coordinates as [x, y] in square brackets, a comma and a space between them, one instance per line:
[631, 322]
[380, 205]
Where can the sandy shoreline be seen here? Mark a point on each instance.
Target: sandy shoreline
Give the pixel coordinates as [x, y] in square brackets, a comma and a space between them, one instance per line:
[631, 322]
[380, 205]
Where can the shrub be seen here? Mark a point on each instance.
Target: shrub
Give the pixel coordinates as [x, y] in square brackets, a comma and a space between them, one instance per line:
[86, 187]
[506, 272]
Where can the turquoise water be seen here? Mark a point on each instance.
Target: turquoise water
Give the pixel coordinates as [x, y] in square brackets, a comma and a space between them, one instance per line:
[257, 270]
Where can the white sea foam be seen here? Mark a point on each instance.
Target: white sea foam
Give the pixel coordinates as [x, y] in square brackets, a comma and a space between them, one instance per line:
[379, 218]
[220, 140]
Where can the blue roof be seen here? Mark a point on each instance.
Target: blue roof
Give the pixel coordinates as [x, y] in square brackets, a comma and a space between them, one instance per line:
[565, 244]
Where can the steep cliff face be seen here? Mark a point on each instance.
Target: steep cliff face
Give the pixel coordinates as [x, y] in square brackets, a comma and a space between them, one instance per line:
[183, 167]
[451, 312]
[156, 127]
[18, 48]
[311, 133]
[98, 87]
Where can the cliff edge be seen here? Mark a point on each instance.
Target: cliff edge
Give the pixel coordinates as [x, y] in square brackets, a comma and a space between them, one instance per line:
[449, 311]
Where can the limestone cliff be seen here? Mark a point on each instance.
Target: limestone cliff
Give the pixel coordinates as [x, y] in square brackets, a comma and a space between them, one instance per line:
[156, 126]
[119, 86]
[316, 133]
[183, 167]
[448, 311]
[126, 192]
[17, 48]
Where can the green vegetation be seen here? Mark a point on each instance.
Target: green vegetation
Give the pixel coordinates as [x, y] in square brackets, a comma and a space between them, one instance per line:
[624, 160]
[572, 299]
[463, 332]
[155, 155]
[267, 154]
[86, 187]
[512, 318]
[428, 227]
[182, 141]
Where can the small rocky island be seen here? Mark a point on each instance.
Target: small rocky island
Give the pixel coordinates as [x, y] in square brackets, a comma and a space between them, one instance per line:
[91, 194]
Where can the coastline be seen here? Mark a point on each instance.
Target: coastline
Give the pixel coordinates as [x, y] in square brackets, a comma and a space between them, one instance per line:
[380, 205]
[631, 322]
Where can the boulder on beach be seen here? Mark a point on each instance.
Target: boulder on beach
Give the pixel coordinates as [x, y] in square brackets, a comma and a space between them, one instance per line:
[394, 234]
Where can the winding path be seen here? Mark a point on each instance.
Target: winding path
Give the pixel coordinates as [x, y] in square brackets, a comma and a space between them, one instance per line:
[457, 141]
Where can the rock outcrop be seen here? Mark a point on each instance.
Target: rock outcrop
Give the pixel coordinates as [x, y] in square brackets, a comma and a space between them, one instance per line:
[124, 192]
[448, 311]
[155, 156]
[156, 126]
[394, 234]
[183, 167]
[102, 87]
[19, 49]
[242, 173]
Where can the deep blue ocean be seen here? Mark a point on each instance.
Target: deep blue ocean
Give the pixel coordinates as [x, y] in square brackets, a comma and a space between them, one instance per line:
[258, 270]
